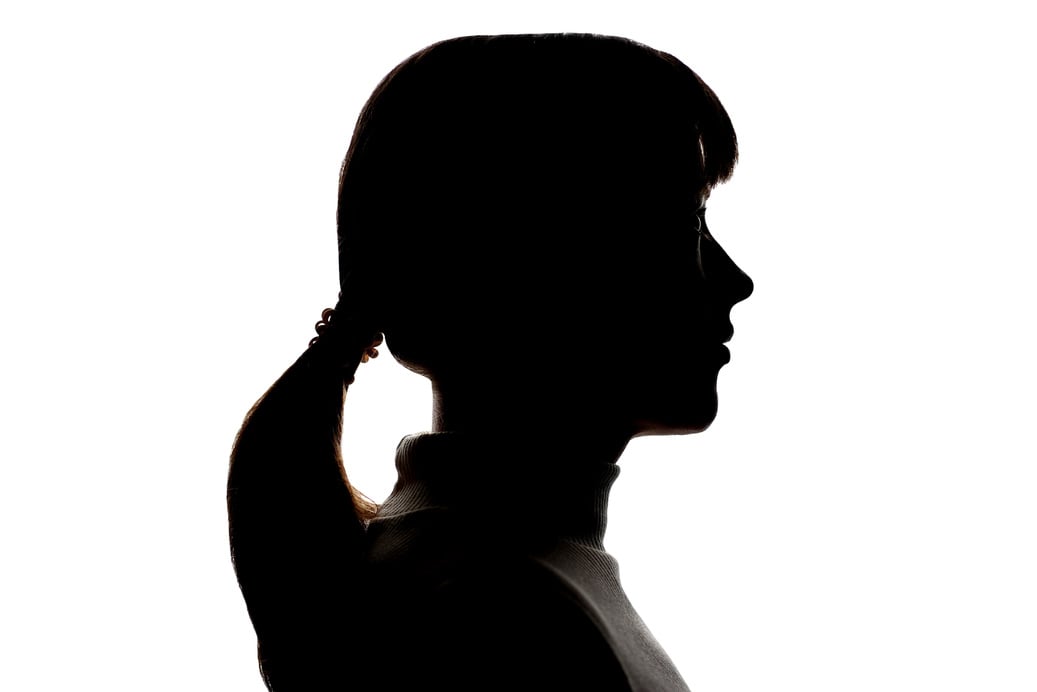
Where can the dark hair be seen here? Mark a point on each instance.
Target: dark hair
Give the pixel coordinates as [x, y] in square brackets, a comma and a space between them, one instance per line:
[460, 147]
[477, 141]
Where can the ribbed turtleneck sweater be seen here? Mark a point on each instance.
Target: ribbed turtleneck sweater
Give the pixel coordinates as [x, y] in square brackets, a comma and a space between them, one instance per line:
[511, 548]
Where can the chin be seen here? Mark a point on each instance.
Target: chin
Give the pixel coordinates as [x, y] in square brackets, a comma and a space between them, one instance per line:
[670, 429]
[679, 422]
[672, 401]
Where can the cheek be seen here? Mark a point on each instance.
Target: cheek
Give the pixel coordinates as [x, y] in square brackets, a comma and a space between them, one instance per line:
[674, 289]
[675, 390]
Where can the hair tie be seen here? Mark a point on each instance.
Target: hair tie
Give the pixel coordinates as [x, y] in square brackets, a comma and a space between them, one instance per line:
[323, 324]
[349, 333]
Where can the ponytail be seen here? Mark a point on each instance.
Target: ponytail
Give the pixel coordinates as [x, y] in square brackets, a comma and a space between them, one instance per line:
[296, 524]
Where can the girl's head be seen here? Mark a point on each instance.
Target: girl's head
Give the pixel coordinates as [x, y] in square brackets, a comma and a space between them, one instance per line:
[530, 206]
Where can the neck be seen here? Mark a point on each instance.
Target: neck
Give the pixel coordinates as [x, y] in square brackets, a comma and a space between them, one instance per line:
[513, 486]
[584, 428]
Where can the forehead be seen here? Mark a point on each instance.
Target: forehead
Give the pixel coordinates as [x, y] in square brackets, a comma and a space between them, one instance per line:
[680, 168]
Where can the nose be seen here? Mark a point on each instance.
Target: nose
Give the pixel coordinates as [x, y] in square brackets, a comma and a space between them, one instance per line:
[722, 275]
[743, 285]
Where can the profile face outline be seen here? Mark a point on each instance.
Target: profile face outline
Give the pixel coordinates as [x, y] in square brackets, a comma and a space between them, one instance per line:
[686, 302]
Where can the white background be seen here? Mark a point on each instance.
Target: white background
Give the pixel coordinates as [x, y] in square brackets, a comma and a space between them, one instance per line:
[860, 517]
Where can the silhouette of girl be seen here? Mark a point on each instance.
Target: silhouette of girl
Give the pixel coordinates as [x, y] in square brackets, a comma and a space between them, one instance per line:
[522, 217]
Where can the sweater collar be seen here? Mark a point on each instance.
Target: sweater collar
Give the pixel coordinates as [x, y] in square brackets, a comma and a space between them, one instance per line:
[509, 490]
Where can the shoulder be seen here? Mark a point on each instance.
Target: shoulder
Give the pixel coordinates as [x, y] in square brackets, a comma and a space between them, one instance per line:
[504, 625]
